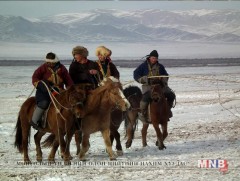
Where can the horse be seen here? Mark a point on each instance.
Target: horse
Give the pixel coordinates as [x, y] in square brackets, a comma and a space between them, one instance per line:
[133, 95]
[97, 116]
[59, 120]
[158, 111]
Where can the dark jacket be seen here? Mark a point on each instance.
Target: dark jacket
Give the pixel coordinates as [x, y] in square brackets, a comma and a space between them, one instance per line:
[80, 72]
[142, 70]
[108, 69]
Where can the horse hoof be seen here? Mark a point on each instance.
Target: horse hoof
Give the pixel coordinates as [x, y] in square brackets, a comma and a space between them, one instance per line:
[39, 159]
[77, 153]
[83, 159]
[113, 158]
[162, 147]
[70, 157]
[128, 145]
[119, 152]
[27, 161]
[51, 160]
[67, 162]
[144, 145]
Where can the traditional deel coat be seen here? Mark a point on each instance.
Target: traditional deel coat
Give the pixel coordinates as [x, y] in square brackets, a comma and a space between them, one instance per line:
[80, 72]
[107, 69]
[146, 69]
[57, 76]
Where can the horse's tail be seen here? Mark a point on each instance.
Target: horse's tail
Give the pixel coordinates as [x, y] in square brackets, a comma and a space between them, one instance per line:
[48, 142]
[18, 136]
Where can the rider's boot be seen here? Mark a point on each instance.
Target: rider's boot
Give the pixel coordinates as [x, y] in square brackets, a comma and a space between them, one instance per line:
[37, 115]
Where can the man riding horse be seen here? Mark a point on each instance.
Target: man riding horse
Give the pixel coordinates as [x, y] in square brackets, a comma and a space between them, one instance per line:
[151, 67]
[82, 70]
[53, 75]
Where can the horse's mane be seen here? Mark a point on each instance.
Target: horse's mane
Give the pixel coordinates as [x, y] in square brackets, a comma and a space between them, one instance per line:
[130, 90]
[96, 95]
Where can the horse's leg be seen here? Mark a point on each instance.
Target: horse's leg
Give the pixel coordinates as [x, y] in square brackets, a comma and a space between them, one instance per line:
[67, 157]
[107, 141]
[118, 143]
[114, 134]
[164, 130]
[78, 140]
[144, 134]
[51, 157]
[37, 139]
[25, 132]
[131, 117]
[159, 135]
[85, 147]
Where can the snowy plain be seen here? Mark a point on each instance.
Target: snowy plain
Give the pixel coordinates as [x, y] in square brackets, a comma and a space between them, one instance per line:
[206, 125]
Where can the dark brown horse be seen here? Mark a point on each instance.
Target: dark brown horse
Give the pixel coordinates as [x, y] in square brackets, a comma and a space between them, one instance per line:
[133, 95]
[98, 107]
[59, 121]
[158, 114]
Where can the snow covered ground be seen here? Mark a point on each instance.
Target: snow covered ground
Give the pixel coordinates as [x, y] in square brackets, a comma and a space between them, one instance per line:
[206, 125]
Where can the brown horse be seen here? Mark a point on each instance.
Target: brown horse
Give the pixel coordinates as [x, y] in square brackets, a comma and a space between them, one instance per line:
[98, 107]
[134, 96]
[59, 122]
[159, 114]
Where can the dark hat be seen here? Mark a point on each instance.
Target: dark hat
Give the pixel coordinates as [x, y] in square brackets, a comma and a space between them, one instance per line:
[154, 53]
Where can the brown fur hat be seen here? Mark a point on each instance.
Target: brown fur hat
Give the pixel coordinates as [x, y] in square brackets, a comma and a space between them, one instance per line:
[102, 50]
[80, 50]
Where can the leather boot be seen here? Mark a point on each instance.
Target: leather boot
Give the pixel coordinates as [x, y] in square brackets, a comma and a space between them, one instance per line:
[143, 115]
[37, 116]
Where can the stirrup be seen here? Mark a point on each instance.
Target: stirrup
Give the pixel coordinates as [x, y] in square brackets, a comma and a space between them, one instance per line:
[34, 125]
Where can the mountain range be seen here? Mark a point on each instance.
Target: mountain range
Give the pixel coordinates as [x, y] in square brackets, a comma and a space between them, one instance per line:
[125, 26]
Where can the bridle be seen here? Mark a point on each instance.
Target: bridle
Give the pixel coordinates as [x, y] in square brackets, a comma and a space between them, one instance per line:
[155, 95]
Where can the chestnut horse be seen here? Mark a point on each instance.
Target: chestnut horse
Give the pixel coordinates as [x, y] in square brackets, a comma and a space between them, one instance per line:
[158, 114]
[59, 121]
[98, 107]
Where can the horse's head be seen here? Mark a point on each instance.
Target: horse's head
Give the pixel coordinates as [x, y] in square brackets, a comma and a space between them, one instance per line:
[157, 92]
[76, 98]
[116, 95]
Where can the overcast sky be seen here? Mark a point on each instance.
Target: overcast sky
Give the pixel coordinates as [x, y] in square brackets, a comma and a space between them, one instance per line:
[36, 9]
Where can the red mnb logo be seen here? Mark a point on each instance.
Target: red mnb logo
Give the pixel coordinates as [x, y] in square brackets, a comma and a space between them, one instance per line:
[221, 164]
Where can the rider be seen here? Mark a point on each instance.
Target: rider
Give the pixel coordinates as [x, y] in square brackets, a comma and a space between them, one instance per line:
[107, 68]
[53, 74]
[151, 67]
[82, 70]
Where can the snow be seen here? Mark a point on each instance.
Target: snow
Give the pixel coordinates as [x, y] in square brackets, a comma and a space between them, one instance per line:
[203, 127]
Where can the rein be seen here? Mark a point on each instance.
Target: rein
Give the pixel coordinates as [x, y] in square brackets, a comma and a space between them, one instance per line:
[54, 101]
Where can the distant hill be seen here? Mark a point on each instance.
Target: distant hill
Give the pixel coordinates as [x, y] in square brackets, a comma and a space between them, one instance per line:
[125, 26]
